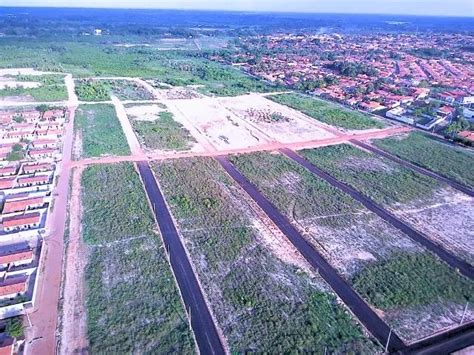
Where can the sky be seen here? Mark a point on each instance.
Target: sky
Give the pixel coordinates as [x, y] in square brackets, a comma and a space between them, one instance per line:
[411, 7]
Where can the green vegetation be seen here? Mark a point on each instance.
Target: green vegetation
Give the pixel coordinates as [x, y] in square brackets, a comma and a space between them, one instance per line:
[92, 90]
[163, 133]
[52, 87]
[129, 90]
[420, 149]
[410, 280]
[133, 305]
[17, 153]
[327, 112]
[261, 303]
[380, 179]
[14, 327]
[100, 131]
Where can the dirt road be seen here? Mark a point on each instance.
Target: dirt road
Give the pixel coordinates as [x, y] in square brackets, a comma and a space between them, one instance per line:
[74, 319]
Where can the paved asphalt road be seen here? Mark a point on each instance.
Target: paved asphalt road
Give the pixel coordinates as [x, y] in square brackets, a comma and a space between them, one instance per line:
[415, 167]
[202, 323]
[445, 343]
[376, 326]
[465, 268]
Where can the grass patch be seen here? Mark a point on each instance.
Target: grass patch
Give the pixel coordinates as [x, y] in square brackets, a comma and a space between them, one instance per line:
[92, 90]
[133, 305]
[406, 280]
[261, 303]
[101, 131]
[327, 112]
[163, 133]
[129, 90]
[52, 87]
[382, 180]
[419, 148]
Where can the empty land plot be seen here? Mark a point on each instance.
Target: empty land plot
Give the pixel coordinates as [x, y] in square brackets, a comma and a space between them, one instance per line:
[157, 129]
[441, 212]
[277, 121]
[128, 90]
[453, 162]
[355, 241]
[328, 113]
[220, 126]
[133, 304]
[261, 303]
[98, 132]
[92, 90]
[47, 87]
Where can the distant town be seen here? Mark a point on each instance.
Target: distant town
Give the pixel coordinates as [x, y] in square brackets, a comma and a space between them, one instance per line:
[425, 80]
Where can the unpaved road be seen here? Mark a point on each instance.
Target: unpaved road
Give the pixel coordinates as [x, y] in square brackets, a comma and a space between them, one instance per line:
[74, 318]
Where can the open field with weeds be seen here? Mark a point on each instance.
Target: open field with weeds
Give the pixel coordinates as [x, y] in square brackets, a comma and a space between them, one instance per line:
[261, 303]
[361, 246]
[439, 211]
[157, 130]
[98, 131]
[129, 90]
[453, 162]
[133, 304]
[327, 112]
[49, 87]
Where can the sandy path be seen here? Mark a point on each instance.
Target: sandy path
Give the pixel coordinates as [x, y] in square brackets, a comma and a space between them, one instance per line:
[74, 321]
[132, 139]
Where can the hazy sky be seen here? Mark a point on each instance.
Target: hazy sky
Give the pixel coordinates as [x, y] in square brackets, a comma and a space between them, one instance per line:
[418, 7]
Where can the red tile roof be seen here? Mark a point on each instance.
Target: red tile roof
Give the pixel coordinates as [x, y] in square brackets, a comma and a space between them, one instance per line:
[16, 256]
[7, 183]
[33, 179]
[29, 168]
[21, 220]
[21, 205]
[13, 286]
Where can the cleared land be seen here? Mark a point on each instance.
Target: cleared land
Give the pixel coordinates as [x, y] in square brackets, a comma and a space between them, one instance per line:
[278, 122]
[261, 302]
[453, 162]
[442, 213]
[356, 241]
[128, 90]
[133, 304]
[157, 129]
[47, 87]
[98, 132]
[328, 113]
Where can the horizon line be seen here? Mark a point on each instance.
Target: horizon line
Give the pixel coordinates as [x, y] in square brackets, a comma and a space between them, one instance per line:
[235, 10]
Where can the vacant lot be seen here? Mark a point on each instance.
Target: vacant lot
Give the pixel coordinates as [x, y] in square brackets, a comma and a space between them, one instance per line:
[328, 113]
[261, 302]
[47, 87]
[157, 129]
[92, 90]
[128, 90]
[133, 305]
[444, 214]
[357, 243]
[454, 162]
[279, 122]
[98, 132]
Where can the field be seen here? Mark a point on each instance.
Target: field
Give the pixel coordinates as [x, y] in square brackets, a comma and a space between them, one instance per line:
[157, 129]
[276, 121]
[98, 132]
[453, 162]
[362, 247]
[328, 113]
[262, 303]
[47, 87]
[133, 304]
[442, 213]
[129, 90]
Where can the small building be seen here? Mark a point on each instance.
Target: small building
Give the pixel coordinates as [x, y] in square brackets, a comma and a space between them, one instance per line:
[8, 170]
[51, 114]
[13, 287]
[16, 258]
[25, 181]
[44, 143]
[34, 168]
[467, 135]
[7, 183]
[21, 222]
[42, 153]
[12, 205]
